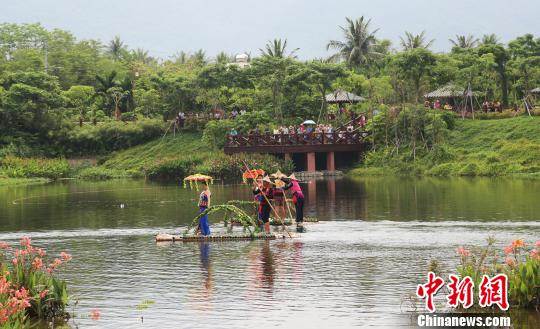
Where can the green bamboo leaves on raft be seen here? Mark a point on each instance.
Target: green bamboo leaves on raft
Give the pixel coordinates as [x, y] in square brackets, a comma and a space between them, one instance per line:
[244, 219]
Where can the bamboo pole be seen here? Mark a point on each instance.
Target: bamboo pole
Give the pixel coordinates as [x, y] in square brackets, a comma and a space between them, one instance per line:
[271, 207]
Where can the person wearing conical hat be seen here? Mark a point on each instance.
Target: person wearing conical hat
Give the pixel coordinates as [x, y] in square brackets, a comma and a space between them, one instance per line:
[266, 193]
[297, 199]
[279, 199]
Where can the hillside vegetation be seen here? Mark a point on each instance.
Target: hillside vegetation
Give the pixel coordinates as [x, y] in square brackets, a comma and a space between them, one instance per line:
[472, 148]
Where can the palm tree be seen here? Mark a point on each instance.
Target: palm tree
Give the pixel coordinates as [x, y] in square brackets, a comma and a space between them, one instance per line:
[104, 83]
[142, 56]
[181, 57]
[359, 45]
[198, 58]
[116, 48]
[490, 39]
[224, 58]
[412, 41]
[464, 41]
[277, 48]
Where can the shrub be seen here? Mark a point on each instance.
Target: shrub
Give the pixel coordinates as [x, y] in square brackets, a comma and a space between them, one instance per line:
[221, 165]
[109, 136]
[173, 168]
[444, 169]
[48, 168]
[216, 132]
[101, 173]
[28, 288]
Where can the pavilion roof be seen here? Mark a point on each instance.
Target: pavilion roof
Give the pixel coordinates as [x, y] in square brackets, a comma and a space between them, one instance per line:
[341, 96]
[448, 91]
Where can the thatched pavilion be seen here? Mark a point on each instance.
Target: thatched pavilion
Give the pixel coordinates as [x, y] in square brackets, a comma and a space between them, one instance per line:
[341, 97]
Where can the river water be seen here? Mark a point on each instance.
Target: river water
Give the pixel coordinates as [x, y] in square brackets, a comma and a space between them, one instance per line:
[355, 268]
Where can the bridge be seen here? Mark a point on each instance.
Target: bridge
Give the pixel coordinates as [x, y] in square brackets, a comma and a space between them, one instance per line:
[300, 145]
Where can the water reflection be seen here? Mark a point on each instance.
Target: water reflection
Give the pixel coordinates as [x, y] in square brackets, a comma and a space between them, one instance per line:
[353, 269]
[206, 267]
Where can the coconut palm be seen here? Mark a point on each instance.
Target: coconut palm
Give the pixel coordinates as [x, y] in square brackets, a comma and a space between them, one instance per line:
[116, 48]
[464, 41]
[142, 56]
[412, 41]
[490, 39]
[224, 58]
[198, 58]
[180, 57]
[358, 49]
[277, 48]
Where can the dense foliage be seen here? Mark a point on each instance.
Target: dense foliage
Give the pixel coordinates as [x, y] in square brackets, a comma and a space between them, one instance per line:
[60, 96]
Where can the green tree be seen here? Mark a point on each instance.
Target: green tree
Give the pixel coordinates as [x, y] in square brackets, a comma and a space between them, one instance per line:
[464, 41]
[412, 41]
[278, 48]
[414, 65]
[358, 48]
[501, 58]
[117, 49]
[80, 98]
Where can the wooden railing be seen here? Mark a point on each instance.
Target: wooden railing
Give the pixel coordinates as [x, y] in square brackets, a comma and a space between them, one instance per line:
[334, 138]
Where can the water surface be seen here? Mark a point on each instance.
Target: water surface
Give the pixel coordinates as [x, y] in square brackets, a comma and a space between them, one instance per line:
[355, 268]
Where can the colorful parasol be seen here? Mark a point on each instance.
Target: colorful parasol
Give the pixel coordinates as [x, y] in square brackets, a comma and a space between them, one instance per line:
[252, 174]
[194, 179]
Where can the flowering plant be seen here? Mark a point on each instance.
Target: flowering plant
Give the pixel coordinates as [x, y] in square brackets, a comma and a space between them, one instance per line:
[28, 287]
[521, 265]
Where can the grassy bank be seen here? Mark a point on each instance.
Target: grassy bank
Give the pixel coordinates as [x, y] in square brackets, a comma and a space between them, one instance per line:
[473, 148]
[7, 181]
[175, 157]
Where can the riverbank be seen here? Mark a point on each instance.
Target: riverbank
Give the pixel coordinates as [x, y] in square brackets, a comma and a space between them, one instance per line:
[503, 147]
[472, 148]
[7, 181]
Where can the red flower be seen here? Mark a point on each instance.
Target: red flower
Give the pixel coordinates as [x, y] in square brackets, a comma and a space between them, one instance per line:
[94, 313]
[65, 257]
[463, 252]
[510, 261]
[44, 293]
[518, 243]
[508, 249]
[25, 241]
[37, 263]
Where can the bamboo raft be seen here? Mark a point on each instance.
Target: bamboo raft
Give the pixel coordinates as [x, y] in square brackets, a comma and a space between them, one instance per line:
[228, 237]
[277, 222]
[288, 221]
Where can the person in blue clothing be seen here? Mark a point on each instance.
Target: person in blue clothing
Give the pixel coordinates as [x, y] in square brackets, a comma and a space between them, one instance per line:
[204, 203]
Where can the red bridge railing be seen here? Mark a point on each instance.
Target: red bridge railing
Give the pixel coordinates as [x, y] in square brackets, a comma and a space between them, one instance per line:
[334, 138]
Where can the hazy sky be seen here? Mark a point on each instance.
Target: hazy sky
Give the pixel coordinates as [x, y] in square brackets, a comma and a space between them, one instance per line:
[165, 27]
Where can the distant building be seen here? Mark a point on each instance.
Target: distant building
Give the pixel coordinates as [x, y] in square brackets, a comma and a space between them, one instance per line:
[242, 60]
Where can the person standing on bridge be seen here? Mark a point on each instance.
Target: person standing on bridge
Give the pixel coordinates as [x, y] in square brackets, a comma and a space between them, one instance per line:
[297, 200]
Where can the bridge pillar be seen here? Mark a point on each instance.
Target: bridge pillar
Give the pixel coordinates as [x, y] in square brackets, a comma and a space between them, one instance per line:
[330, 161]
[288, 157]
[310, 158]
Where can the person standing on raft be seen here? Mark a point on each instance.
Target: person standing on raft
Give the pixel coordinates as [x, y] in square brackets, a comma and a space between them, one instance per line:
[204, 203]
[265, 193]
[297, 200]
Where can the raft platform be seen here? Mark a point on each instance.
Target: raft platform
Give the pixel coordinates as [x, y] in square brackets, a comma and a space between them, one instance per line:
[230, 237]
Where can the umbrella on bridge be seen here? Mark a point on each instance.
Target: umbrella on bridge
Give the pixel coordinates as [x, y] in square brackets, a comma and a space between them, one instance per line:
[309, 122]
